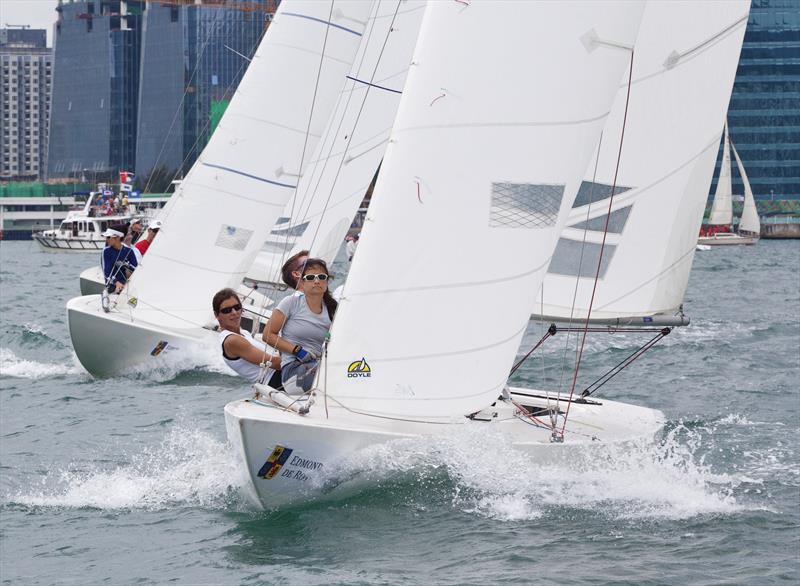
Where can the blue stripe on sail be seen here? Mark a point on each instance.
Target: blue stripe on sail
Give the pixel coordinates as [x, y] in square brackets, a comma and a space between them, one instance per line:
[257, 178]
[358, 34]
[380, 87]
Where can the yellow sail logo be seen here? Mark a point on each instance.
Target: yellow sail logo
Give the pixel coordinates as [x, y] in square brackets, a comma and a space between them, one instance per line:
[359, 369]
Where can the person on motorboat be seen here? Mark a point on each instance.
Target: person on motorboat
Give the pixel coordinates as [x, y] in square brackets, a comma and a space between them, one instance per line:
[299, 324]
[144, 243]
[117, 261]
[246, 356]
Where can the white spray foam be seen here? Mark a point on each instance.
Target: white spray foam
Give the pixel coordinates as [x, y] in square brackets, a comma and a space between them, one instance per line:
[493, 479]
[188, 468]
[12, 365]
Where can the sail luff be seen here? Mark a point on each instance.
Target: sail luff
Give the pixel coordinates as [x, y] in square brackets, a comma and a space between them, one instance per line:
[722, 207]
[749, 221]
[486, 156]
[333, 187]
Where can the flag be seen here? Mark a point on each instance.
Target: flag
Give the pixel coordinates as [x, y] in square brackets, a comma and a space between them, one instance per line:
[126, 176]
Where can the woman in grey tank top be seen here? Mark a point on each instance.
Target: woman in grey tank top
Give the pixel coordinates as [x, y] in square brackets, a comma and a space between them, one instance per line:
[299, 324]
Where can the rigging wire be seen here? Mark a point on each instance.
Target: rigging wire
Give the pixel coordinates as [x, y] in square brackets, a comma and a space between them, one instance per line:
[602, 246]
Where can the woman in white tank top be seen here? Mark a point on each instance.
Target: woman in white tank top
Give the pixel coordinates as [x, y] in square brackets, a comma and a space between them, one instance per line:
[240, 351]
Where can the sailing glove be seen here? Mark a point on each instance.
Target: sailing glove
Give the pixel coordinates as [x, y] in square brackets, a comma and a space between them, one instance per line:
[304, 355]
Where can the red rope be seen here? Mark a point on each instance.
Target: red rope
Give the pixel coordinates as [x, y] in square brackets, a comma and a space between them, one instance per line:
[602, 248]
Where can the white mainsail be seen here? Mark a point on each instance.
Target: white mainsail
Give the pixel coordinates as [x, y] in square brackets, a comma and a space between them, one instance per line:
[722, 207]
[473, 191]
[233, 194]
[749, 221]
[348, 155]
[684, 65]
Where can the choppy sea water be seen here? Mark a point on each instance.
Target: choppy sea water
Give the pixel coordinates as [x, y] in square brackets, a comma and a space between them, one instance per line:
[131, 480]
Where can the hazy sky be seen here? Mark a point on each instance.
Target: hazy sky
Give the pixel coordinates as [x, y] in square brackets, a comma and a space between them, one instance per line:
[37, 13]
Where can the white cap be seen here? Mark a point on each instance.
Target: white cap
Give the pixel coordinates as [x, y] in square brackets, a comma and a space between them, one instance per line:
[155, 224]
[109, 233]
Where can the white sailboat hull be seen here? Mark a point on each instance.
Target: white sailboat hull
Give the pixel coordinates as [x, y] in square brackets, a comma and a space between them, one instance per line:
[288, 458]
[138, 346]
[91, 281]
[726, 239]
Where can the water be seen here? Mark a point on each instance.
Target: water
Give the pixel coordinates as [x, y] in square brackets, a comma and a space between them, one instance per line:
[131, 479]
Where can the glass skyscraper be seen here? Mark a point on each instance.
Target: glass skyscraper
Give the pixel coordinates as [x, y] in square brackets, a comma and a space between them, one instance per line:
[137, 83]
[764, 111]
[192, 61]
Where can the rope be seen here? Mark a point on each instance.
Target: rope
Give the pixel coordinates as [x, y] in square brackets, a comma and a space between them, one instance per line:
[602, 246]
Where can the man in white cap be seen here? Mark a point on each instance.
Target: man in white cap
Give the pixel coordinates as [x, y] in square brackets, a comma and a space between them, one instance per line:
[143, 244]
[118, 261]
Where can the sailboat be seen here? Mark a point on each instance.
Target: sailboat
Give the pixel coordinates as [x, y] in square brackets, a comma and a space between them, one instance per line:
[403, 360]
[717, 232]
[221, 213]
[485, 162]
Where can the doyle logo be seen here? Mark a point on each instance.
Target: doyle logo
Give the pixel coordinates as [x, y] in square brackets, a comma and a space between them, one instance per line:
[359, 369]
[275, 462]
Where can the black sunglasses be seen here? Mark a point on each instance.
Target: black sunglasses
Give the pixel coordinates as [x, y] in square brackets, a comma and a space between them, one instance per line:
[322, 277]
[227, 310]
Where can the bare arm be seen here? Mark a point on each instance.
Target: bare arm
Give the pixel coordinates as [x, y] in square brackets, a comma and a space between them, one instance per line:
[238, 347]
[271, 337]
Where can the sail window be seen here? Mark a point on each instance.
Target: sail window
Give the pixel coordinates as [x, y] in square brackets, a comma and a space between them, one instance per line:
[298, 230]
[524, 205]
[579, 259]
[592, 192]
[616, 222]
[233, 238]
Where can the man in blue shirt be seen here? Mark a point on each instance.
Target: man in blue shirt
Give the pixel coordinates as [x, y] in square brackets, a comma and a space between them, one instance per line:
[118, 261]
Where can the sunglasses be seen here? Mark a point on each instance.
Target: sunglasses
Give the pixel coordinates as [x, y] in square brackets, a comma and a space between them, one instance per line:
[322, 277]
[227, 310]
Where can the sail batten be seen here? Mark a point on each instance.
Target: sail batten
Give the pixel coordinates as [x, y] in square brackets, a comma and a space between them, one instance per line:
[671, 112]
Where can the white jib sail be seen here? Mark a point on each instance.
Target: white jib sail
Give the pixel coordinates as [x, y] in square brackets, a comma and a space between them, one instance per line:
[749, 221]
[722, 207]
[683, 70]
[248, 171]
[351, 149]
[501, 110]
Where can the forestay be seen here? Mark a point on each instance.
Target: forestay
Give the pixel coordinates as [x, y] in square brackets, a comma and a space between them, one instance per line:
[683, 70]
[351, 149]
[246, 174]
[722, 207]
[749, 221]
[500, 113]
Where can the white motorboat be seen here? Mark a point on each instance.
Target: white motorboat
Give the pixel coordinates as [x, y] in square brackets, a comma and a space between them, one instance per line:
[81, 230]
[718, 231]
[222, 211]
[489, 176]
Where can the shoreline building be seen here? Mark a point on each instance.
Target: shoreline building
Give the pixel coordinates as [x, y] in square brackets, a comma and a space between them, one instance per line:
[25, 82]
[764, 111]
[138, 84]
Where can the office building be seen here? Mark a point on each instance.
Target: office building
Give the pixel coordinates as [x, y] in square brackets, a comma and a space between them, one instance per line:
[25, 81]
[764, 111]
